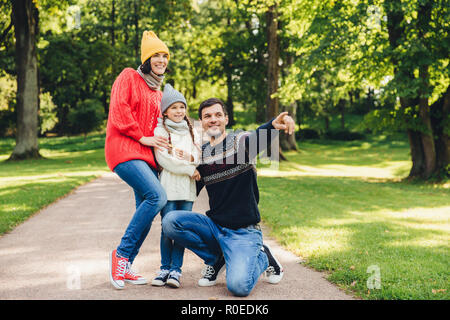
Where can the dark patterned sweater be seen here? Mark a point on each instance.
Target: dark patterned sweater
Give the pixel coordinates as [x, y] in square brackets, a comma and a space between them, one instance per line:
[229, 174]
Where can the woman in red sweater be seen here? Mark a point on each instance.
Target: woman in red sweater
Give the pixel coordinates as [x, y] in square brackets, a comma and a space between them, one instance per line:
[133, 112]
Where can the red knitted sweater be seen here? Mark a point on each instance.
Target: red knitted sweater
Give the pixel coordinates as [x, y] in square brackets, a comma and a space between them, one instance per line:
[133, 112]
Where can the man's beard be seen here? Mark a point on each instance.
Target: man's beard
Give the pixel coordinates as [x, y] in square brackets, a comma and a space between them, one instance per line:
[214, 133]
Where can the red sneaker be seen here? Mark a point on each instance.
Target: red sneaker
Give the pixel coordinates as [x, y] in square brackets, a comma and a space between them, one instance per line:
[117, 267]
[132, 277]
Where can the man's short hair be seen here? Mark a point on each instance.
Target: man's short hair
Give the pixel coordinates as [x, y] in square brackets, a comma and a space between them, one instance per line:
[210, 102]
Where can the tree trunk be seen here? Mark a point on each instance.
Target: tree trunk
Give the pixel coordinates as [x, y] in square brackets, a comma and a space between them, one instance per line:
[443, 160]
[427, 140]
[136, 29]
[417, 157]
[26, 30]
[423, 19]
[422, 145]
[273, 69]
[230, 106]
[194, 89]
[342, 110]
[288, 142]
[327, 123]
[440, 118]
[113, 22]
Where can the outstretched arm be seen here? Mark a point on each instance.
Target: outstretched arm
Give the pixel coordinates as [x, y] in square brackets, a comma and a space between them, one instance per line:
[284, 122]
[261, 139]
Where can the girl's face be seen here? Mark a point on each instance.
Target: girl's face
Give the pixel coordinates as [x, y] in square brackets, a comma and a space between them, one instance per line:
[176, 112]
[159, 62]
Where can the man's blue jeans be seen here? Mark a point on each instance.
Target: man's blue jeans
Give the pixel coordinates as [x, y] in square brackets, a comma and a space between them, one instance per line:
[150, 199]
[171, 252]
[241, 248]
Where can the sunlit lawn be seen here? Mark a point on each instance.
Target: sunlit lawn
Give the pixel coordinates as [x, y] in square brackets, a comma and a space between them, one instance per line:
[27, 186]
[343, 208]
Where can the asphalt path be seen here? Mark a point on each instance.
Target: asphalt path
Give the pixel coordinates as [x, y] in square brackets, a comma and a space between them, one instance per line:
[62, 251]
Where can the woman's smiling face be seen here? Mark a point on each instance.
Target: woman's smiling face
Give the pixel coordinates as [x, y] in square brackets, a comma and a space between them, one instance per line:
[159, 62]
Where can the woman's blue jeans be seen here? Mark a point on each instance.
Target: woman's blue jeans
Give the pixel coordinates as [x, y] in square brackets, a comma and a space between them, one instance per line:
[150, 199]
[241, 248]
[171, 252]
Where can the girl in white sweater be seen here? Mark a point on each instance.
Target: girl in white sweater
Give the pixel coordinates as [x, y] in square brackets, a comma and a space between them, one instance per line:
[177, 177]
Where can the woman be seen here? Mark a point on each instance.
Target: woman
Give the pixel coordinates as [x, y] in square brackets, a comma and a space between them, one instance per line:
[133, 113]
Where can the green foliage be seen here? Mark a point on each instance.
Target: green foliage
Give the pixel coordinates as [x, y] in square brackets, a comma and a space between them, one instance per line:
[344, 46]
[305, 134]
[7, 122]
[86, 117]
[340, 206]
[8, 87]
[344, 135]
[47, 113]
[74, 69]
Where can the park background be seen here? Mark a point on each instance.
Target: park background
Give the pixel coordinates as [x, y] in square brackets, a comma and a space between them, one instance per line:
[362, 189]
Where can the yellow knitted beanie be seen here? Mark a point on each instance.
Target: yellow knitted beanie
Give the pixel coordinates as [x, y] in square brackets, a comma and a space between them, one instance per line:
[151, 44]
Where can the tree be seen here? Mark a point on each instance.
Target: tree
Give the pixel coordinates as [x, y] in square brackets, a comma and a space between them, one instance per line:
[26, 17]
[398, 48]
[76, 68]
[273, 68]
[416, 50]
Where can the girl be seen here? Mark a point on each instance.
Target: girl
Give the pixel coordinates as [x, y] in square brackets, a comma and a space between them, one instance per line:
[178, 176]
[133, 113]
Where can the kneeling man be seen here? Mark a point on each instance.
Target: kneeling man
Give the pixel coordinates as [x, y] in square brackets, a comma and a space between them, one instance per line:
[229, 234]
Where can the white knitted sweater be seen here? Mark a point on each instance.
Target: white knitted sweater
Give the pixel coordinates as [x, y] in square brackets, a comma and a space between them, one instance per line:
[176, 174]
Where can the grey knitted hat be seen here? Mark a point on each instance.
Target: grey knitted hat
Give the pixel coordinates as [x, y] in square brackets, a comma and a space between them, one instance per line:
[170, 96]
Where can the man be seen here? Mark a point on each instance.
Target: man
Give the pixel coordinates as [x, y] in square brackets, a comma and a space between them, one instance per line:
[229, 234]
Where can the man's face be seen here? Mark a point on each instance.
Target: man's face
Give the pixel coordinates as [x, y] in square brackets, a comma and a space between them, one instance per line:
[214, 120]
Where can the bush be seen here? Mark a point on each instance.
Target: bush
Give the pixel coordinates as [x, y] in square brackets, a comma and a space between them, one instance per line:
[47, 113]
[86, 117]
[304, 134]
[344, 135]
[7, 123]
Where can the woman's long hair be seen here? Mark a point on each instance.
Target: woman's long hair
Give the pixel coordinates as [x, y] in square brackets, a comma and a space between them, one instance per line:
[146, 67]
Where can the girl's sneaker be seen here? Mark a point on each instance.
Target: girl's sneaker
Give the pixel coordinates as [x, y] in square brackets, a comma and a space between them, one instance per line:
[132, 277]
[117, 267]
[174, 279]
[161, 278]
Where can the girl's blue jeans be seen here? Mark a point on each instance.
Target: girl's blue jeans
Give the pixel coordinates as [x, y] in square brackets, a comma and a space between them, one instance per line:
[150, 199]
[241, 248]
[171, 252]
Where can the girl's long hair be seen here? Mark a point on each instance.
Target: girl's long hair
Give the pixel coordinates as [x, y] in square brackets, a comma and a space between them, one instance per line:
[190, 126]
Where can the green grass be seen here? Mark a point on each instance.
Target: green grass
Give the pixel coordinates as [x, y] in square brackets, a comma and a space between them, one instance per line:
[343, 207]
[28, 186]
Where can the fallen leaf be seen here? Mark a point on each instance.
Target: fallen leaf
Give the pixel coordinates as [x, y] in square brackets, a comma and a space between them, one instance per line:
[438, 291]
[352, 267]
